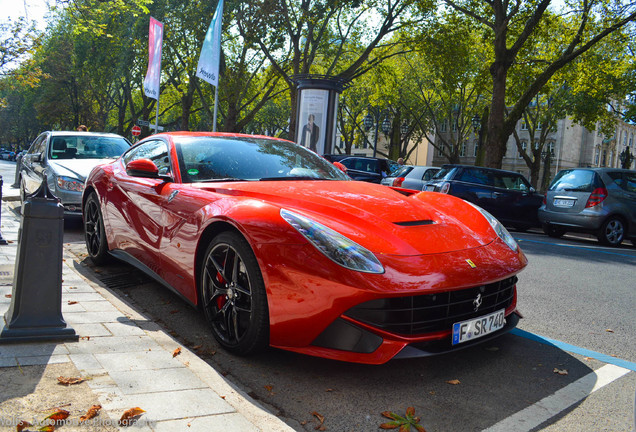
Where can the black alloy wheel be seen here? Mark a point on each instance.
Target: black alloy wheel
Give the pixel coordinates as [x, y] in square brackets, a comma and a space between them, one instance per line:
[94, 234]
[233, 295]
[612, 232]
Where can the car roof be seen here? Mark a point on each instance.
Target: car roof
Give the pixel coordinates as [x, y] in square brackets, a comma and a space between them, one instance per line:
[78, 133]
[482, 168]
[599, 169]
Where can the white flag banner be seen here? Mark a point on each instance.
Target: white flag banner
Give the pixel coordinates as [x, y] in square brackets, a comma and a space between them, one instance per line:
[153, 74]
[209, 59]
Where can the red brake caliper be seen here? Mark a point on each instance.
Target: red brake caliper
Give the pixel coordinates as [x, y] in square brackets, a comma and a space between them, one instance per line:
[221, 300]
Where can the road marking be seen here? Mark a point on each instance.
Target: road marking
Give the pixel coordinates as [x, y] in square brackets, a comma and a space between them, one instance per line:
[542, 411]
[575, 349]
[585, 248]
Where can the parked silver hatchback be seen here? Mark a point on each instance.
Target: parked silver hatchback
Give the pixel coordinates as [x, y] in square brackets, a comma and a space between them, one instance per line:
[599, 201]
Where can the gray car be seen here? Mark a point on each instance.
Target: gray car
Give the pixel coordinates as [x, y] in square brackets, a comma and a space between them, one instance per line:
[410, 176]
[65, 159]
[599, 201]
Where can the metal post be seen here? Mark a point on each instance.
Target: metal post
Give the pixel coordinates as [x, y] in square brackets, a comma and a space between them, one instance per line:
[35, 313]
[2, 240]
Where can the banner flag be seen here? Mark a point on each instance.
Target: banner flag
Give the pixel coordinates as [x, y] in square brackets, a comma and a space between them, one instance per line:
[153, 74]
[209, 59]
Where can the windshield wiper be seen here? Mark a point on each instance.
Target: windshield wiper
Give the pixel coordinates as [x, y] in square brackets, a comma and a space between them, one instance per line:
[216, 180]
[293, 178]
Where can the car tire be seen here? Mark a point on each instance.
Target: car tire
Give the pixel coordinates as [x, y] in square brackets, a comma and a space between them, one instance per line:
[233, 295]
[94, 234]
[612, 232]
[553, 231]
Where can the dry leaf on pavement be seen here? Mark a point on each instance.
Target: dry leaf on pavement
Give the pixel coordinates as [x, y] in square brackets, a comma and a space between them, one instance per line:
[92, 412]
[560, 371]
[176, 352]
[129, 416]
[403, 423]
[22, 425]
[69, 380]
[58, 415]
[453, 382]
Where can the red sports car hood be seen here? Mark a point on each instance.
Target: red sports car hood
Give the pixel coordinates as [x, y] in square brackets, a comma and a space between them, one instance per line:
[376, 217]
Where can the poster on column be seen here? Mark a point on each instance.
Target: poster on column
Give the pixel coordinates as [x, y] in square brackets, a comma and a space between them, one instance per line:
[313, 119]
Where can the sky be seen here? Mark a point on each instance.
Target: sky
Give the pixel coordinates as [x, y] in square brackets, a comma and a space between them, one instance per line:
[34, 10]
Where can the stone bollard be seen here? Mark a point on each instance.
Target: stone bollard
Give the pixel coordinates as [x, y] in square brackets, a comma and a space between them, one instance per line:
[35, 313]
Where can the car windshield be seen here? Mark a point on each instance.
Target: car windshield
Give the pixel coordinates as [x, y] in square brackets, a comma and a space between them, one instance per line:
[574, 181]
[207, 159]
[442, 173]
[402, 172]
[87, 147]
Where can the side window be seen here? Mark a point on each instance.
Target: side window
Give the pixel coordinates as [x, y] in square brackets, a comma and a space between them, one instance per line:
[38, 146]
[630, 182]
[476, 176]
[156, 151]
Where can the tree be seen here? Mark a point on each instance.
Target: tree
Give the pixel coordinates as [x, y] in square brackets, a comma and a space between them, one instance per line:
[511, 26]
[317, 36]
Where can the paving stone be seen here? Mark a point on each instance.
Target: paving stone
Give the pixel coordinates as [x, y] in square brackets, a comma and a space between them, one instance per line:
[42, 360]
[216, 423]
[93, 317]
[184, 404]
[145, 360]
[92, 330]
[32, 350]
[87, 362]
[124, 329]
[100, 306]
[101, 345]
[147, 381]
[81, 296]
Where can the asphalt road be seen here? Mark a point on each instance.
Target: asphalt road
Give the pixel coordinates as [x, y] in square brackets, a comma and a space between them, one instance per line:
[566, 369]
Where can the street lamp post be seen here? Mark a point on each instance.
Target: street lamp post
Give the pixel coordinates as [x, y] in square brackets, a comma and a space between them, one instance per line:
[373, 119]
[476, 121]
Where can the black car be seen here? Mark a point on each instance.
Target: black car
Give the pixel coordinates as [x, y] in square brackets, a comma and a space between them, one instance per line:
[507, 195]
[368, 169]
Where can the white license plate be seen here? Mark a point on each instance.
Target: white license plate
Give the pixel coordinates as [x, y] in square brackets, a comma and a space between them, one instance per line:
[430, 188]
[468, 330]
[563, 203]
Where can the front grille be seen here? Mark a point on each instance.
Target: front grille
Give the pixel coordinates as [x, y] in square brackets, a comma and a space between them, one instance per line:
[427, 313]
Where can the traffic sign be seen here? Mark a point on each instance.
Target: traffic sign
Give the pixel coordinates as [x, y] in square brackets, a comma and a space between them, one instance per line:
[136, 130]
[143, 122]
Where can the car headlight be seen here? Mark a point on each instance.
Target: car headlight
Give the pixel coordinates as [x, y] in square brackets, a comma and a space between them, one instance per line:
[333, 245]
[501, 231]
[70, 184]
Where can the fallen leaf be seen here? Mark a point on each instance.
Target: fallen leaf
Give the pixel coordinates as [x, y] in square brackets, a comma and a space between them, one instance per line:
[22, 425]
[329, 390]
[69, 380]
[453, 382]
[71, 302]
[560, 371]
[58, 415]
[92, 412]
[8, 295]
[85, 338]
[174, 311]
[176, 352]
[403, 423]
[609, 330]
[587, 358]
[197, 347]
[269, 388]
[321, 419]
[129, 416]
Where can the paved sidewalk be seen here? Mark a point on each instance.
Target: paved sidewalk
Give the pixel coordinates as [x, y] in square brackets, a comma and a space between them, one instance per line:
[127, 360]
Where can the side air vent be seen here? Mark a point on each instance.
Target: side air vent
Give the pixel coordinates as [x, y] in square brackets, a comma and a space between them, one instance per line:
[415, 223]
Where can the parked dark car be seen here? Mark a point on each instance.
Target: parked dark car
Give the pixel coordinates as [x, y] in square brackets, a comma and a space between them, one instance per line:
[507, 195]
[410, 177]
[599, 201]
[65, 159]
[368, 169]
